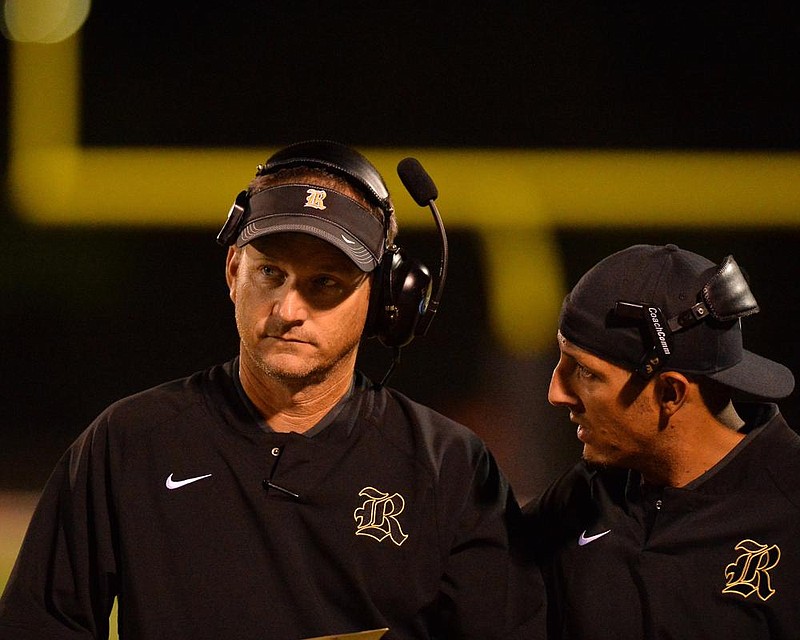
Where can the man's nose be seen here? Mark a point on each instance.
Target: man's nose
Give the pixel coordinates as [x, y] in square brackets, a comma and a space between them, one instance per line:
[290, 305]
[560, 394]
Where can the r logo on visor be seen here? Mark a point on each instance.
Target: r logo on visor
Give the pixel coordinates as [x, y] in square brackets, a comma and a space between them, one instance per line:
[315, 199]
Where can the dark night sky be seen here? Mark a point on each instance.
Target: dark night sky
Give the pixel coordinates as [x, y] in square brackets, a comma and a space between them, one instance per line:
[552, 74]
[512, 74]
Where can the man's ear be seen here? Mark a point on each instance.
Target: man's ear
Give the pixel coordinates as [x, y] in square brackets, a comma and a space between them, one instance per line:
[673, 388]
[232, 262]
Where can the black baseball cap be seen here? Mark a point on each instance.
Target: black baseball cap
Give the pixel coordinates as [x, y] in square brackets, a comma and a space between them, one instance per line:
[649, 308]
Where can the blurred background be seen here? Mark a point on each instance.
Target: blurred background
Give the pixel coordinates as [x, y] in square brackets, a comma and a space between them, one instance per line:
[557, 132]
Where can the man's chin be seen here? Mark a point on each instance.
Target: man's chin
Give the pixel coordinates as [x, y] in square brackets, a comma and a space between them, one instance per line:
[292, 372]
[593, 458]
[283, 366]
[296, 366]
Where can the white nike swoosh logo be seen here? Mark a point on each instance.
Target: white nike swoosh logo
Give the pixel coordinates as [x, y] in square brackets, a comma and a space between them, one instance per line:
[584, 539]
[177, 484]
[346, 240]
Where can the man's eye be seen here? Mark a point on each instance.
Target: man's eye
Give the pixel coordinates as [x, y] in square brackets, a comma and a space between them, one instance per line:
[325, 282]
[269, 271]
[582, 371]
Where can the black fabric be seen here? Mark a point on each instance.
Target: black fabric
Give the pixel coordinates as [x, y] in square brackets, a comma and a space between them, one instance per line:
[324, 213]
[392, 516]
[672, 280]
[677, 562]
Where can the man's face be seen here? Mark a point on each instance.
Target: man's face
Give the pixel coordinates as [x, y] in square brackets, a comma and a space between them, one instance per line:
[300, 305]
[617, 415]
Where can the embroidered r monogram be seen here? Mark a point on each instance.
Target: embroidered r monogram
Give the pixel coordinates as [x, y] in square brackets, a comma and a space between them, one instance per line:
[315, 198]
[749, 573]
[377, 517]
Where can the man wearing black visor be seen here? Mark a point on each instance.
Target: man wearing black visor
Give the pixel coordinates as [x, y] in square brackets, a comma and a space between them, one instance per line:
[683, 518]
[282, 495]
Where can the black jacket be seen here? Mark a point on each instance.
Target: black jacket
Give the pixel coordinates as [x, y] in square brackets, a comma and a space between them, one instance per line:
[391, 516]
[719, 558]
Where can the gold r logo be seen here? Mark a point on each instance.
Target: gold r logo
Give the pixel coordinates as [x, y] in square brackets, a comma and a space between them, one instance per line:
[377, 517]
[749, 573]
[315, 198]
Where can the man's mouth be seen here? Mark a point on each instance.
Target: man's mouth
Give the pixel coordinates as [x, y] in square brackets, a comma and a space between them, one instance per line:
[289, 339]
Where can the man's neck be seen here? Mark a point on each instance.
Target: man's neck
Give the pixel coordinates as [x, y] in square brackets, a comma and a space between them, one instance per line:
[692, 454]
[291, 405]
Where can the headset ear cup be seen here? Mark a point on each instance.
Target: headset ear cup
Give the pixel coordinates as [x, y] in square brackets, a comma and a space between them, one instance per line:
[406, 286]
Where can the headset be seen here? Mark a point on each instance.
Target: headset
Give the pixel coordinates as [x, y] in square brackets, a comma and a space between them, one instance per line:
[725, 297]
[403, 299]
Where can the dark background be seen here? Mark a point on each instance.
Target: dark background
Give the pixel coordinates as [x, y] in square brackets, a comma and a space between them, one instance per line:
[90, 314]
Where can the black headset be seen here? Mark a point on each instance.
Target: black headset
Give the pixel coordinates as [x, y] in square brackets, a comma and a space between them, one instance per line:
[403, 301]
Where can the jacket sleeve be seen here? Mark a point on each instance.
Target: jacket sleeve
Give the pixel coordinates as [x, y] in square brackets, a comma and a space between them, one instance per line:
[564, 509]
[63, 584]
[489, 589]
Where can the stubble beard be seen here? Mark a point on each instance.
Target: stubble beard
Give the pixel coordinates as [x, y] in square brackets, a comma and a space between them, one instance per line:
[300, 376]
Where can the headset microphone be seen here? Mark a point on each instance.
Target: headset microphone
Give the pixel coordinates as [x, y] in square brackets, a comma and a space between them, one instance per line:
[417, 181]
[423, 190]
[406, 298]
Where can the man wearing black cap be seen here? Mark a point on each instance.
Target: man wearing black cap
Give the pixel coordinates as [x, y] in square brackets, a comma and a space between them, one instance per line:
[683, 519]
[281, 495]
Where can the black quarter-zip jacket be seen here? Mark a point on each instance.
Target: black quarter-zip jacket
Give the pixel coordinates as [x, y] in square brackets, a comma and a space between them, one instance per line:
[719, 558]
[205, 525]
